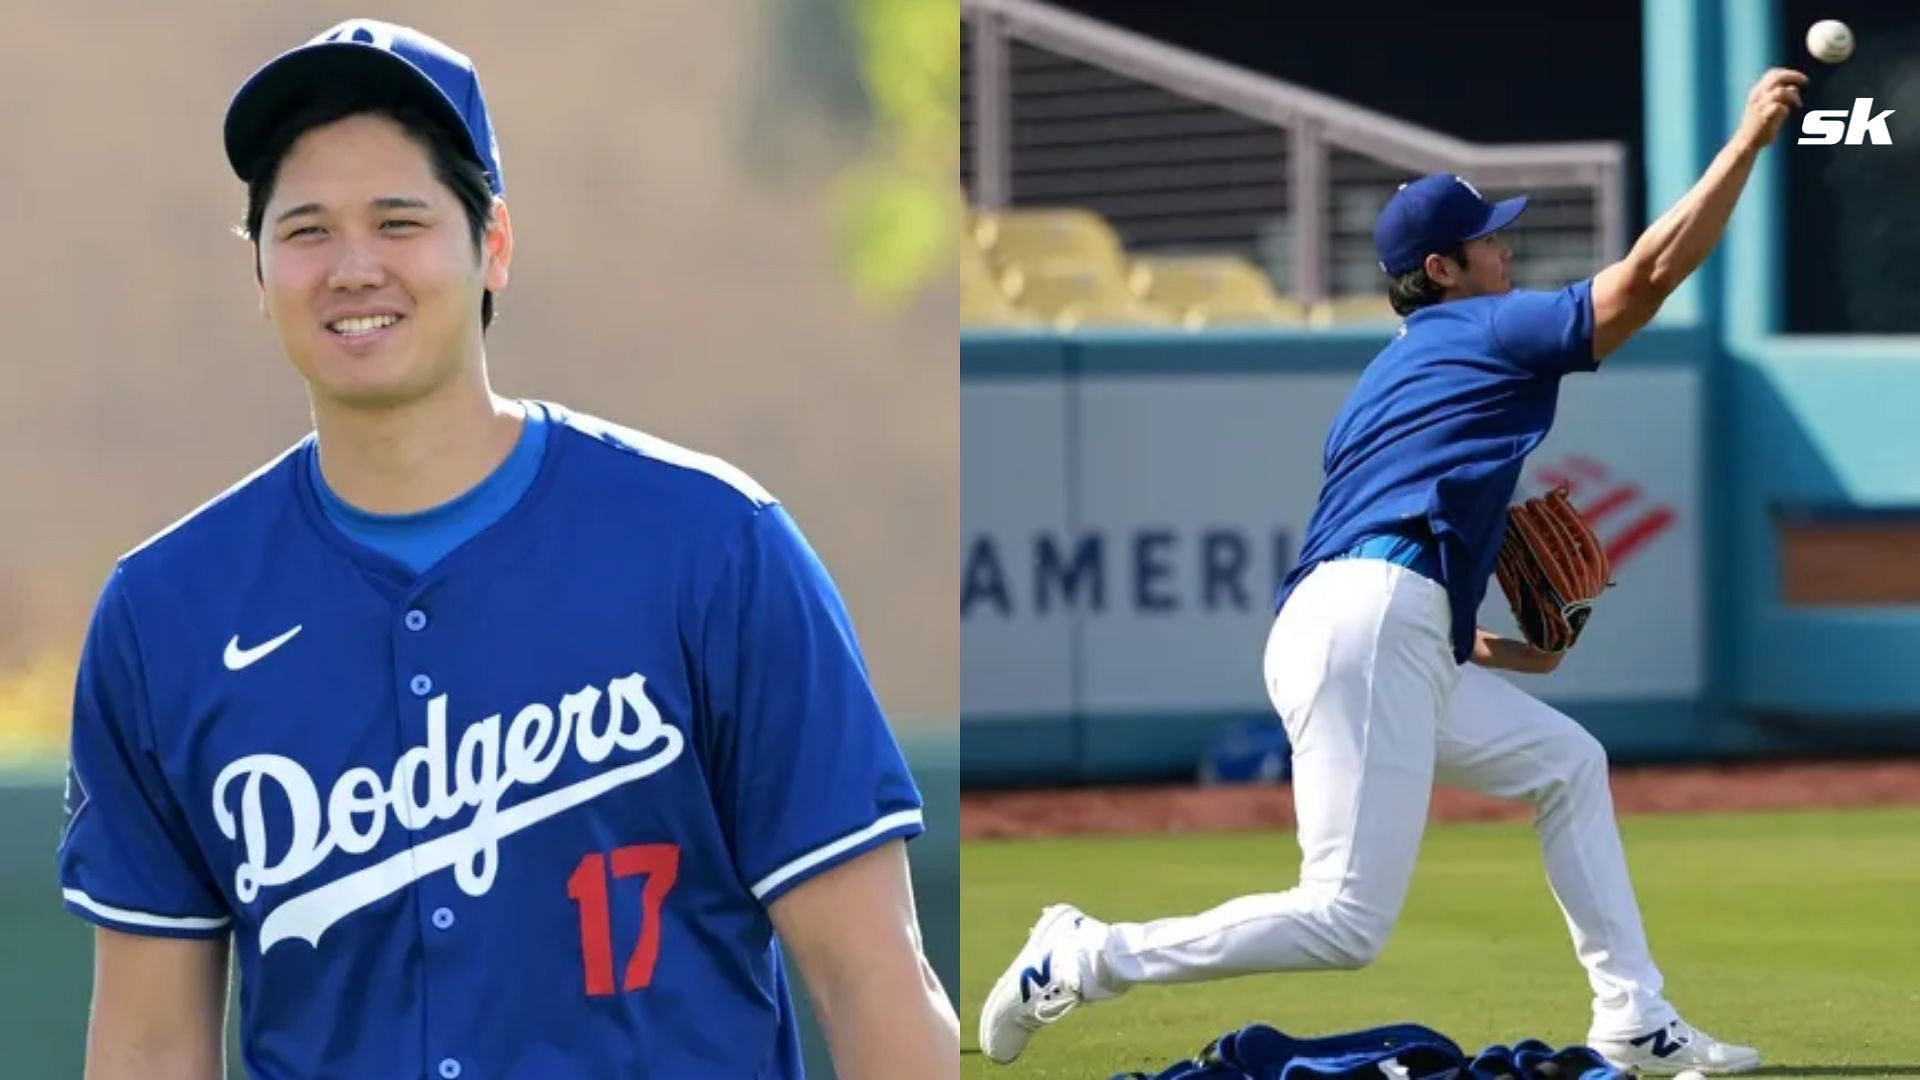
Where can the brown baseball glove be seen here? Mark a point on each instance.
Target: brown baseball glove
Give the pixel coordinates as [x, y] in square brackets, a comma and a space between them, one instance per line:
[1551, 568]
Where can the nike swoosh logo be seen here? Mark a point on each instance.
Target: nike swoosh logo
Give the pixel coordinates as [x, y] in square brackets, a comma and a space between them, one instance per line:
[237, 657]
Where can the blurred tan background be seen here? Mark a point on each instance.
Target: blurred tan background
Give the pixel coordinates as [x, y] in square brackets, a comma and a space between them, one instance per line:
[731, 220]
[734, 224]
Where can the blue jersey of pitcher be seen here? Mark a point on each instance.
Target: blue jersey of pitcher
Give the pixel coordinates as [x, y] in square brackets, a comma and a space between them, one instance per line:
[1431, 440]
[520, 815]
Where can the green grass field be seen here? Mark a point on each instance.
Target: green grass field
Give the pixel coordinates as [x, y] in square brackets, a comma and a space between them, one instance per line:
[1798, 933]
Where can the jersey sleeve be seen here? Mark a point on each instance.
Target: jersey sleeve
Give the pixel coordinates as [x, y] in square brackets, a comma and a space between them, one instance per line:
[807, 773]
[127, 858]
[1547, 332]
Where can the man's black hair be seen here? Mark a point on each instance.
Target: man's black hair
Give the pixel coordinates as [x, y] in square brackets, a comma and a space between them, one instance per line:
[1413, 290]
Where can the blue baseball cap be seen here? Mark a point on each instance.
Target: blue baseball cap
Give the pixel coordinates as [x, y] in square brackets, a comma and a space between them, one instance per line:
[364, 57]
[1434, 214]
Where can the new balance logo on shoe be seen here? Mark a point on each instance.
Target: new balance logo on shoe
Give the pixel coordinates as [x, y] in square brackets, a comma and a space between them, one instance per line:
[1676, 1049]
[1664, 1045]
[1036, 977]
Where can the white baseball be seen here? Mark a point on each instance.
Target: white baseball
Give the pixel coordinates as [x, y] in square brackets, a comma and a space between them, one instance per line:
[1690, 1074]
[1830, 41]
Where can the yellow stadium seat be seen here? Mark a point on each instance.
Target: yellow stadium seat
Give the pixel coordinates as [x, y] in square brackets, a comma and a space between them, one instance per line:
[1114, 312]
[1025, 236]
[973, 263]
[1219, 313]
[1070, 292]
[983, 297]
[1353, 310]
[1213, 290]
[1183, 281]
[983, 304]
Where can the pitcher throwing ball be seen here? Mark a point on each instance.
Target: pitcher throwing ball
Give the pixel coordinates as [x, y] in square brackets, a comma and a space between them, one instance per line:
[1374, 663]
[494, 740]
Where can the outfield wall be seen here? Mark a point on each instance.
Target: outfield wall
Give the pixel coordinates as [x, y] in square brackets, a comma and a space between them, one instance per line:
[1179, 466]
[1130, 500]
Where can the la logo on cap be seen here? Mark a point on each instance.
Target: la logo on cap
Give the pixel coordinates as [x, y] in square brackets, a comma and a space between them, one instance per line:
[366, 31]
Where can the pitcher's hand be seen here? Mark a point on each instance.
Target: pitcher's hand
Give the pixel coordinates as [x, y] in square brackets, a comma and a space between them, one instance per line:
[1775, 96]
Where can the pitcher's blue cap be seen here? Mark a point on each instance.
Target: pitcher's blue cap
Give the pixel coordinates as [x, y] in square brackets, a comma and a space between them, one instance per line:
[364, 57]
[1434, 214]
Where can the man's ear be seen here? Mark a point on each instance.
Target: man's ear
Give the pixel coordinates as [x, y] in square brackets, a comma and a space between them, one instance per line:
[1442, 271]
[497, 246]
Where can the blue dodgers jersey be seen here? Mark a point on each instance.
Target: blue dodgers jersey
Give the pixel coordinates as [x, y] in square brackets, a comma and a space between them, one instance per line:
[1434, 434]
[520, 816]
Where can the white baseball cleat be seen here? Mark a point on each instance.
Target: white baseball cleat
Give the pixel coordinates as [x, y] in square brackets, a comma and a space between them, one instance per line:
[1676, 1048]
[1039, 987]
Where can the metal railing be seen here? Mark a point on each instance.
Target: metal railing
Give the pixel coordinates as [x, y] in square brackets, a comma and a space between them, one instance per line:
[1181, 151]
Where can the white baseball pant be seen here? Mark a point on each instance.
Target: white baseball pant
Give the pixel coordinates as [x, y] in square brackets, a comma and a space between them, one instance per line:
[1360, 667]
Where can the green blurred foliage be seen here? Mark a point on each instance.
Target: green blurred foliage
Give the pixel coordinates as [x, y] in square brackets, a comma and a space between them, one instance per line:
[884, 78]
[895, 214]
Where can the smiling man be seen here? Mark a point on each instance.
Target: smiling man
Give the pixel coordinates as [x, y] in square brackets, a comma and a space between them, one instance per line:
[492, 739]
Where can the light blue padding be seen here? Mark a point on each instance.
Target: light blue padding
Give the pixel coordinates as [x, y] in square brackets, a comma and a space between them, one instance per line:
[1752, 244]
[1816, 421]
[417, 541]
[1670, 108]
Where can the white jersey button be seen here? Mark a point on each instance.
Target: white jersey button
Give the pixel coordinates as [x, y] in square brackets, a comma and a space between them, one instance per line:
[416, 619]
[442, 918]
[421, 686]
[449, 1068]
